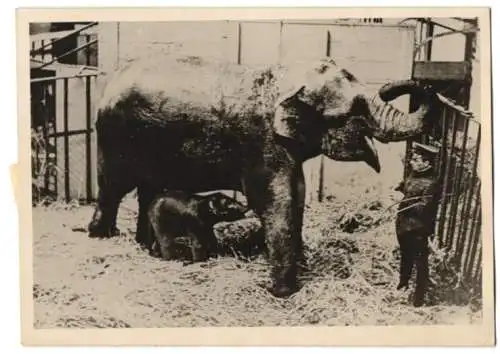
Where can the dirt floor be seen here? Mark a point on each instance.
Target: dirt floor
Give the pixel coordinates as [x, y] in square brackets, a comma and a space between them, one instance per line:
[351, 280]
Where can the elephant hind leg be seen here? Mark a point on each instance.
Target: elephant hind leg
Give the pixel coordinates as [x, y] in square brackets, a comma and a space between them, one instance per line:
[113, 184]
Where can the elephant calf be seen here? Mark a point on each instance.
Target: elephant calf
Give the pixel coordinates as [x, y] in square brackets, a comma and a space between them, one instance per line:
[175, 214]
[416, 219]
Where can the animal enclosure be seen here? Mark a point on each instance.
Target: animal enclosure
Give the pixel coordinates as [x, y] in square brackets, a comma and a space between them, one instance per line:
[64, 155]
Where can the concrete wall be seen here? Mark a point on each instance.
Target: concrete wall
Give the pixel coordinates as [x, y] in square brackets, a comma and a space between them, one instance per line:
[375, 53]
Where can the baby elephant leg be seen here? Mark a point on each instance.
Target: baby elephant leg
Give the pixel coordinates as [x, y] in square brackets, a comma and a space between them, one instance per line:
[164, 244]
[155, 246]
[155, 249]
[167, 249]
[198, 248]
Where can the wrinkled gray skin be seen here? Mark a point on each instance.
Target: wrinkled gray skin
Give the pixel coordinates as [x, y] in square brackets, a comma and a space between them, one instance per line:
[194, 125]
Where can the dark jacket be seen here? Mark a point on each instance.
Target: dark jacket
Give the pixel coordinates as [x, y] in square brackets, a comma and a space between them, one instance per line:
[418, 214]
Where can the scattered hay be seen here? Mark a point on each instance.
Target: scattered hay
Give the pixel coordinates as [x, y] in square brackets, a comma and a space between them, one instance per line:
[331, 257]
[350, 279]
[448, 286]
[91, 321]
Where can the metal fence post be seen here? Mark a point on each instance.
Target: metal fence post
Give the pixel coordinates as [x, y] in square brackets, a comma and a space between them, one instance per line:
[66, 142]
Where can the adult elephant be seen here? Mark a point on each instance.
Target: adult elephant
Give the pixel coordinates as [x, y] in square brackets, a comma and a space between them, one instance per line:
[194, 125]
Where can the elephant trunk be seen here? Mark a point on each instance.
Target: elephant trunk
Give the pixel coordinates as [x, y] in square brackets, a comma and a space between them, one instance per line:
[392, 124]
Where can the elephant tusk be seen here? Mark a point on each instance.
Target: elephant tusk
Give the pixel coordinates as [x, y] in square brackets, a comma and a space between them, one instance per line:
[371, 145]
[373, 159]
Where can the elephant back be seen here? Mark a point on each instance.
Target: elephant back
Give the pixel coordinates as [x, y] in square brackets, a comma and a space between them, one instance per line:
[172, 86]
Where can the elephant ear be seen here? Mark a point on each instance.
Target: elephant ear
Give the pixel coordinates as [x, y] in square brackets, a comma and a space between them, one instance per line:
[286, 115]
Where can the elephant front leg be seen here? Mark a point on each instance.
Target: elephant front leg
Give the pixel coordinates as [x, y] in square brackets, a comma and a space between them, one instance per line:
[280, 206]
[299, 217]
[114, 182]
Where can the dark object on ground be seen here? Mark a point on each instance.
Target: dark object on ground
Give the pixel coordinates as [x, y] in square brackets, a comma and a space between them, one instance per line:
[349, 222]
[78, 229]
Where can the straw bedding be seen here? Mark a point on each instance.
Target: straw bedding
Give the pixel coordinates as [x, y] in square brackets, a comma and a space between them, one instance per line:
[349, 278]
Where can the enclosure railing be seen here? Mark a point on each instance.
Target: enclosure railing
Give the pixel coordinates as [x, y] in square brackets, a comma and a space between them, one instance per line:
[457, 134]
[51, 132]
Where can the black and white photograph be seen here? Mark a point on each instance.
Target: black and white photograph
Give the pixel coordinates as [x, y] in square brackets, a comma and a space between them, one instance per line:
[329, 172]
